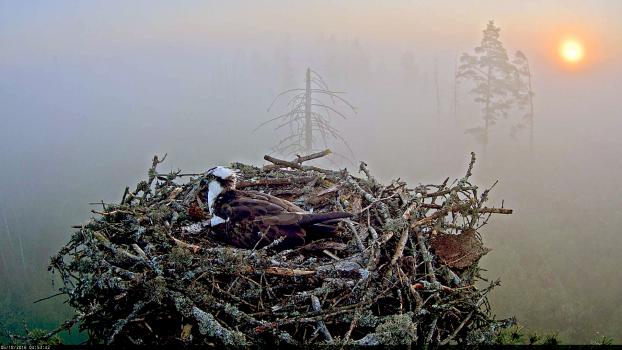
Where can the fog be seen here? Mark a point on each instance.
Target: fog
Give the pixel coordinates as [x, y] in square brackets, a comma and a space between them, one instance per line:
[90, 92]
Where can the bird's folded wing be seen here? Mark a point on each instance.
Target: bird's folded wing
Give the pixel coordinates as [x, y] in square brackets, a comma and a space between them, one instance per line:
[286, 205]
[242, 208]
[304, 219]
[281, 219]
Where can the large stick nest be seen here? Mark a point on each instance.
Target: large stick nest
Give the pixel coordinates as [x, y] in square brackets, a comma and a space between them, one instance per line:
[402, 271]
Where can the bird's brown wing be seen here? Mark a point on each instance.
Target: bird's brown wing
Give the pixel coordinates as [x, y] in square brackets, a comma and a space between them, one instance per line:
[305, 219]
[243, 208]
[286, 205]
[282, 219]
[272, 211]
[267, 213]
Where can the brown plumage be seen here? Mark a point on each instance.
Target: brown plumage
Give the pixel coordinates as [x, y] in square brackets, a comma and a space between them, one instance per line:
[250, 219]
[257, 219]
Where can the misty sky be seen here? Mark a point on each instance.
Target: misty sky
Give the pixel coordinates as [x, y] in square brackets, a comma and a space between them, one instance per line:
[86, 69]
[90, 91]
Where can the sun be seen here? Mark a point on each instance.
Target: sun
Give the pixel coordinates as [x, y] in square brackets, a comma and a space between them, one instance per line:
[571, 51]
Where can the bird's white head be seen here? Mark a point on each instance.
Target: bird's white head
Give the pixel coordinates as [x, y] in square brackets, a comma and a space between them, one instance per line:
[218, 180]
[222, 173]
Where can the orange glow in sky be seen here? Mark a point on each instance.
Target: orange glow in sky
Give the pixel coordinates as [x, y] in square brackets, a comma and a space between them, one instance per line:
[571, 51]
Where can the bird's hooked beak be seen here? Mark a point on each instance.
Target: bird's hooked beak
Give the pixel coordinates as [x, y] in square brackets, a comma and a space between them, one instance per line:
[203, 186]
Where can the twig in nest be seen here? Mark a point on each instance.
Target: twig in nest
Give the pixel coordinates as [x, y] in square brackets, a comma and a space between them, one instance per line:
[302, 159]
[47, 298]
[282, 271]
[375, 202]
[453, 335]
[399, 250]
[276, 182]
[293, 165]
[193, 247]
[315, 304]
[351, 227]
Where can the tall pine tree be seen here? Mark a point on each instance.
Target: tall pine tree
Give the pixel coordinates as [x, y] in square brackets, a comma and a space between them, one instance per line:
[493, 77]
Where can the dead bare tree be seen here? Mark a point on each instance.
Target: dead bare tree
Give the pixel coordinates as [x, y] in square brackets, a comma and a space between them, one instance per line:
[309, 115]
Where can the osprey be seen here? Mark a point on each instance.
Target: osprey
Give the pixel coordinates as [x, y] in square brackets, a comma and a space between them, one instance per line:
[249, 219]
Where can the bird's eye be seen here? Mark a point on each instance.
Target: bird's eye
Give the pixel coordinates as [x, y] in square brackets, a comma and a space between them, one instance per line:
[205, 181]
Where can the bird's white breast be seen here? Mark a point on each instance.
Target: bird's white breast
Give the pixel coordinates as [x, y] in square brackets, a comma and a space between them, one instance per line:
[213, 190]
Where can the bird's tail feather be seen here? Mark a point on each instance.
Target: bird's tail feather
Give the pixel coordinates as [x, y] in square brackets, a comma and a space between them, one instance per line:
[320, 231]
[321, 218]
